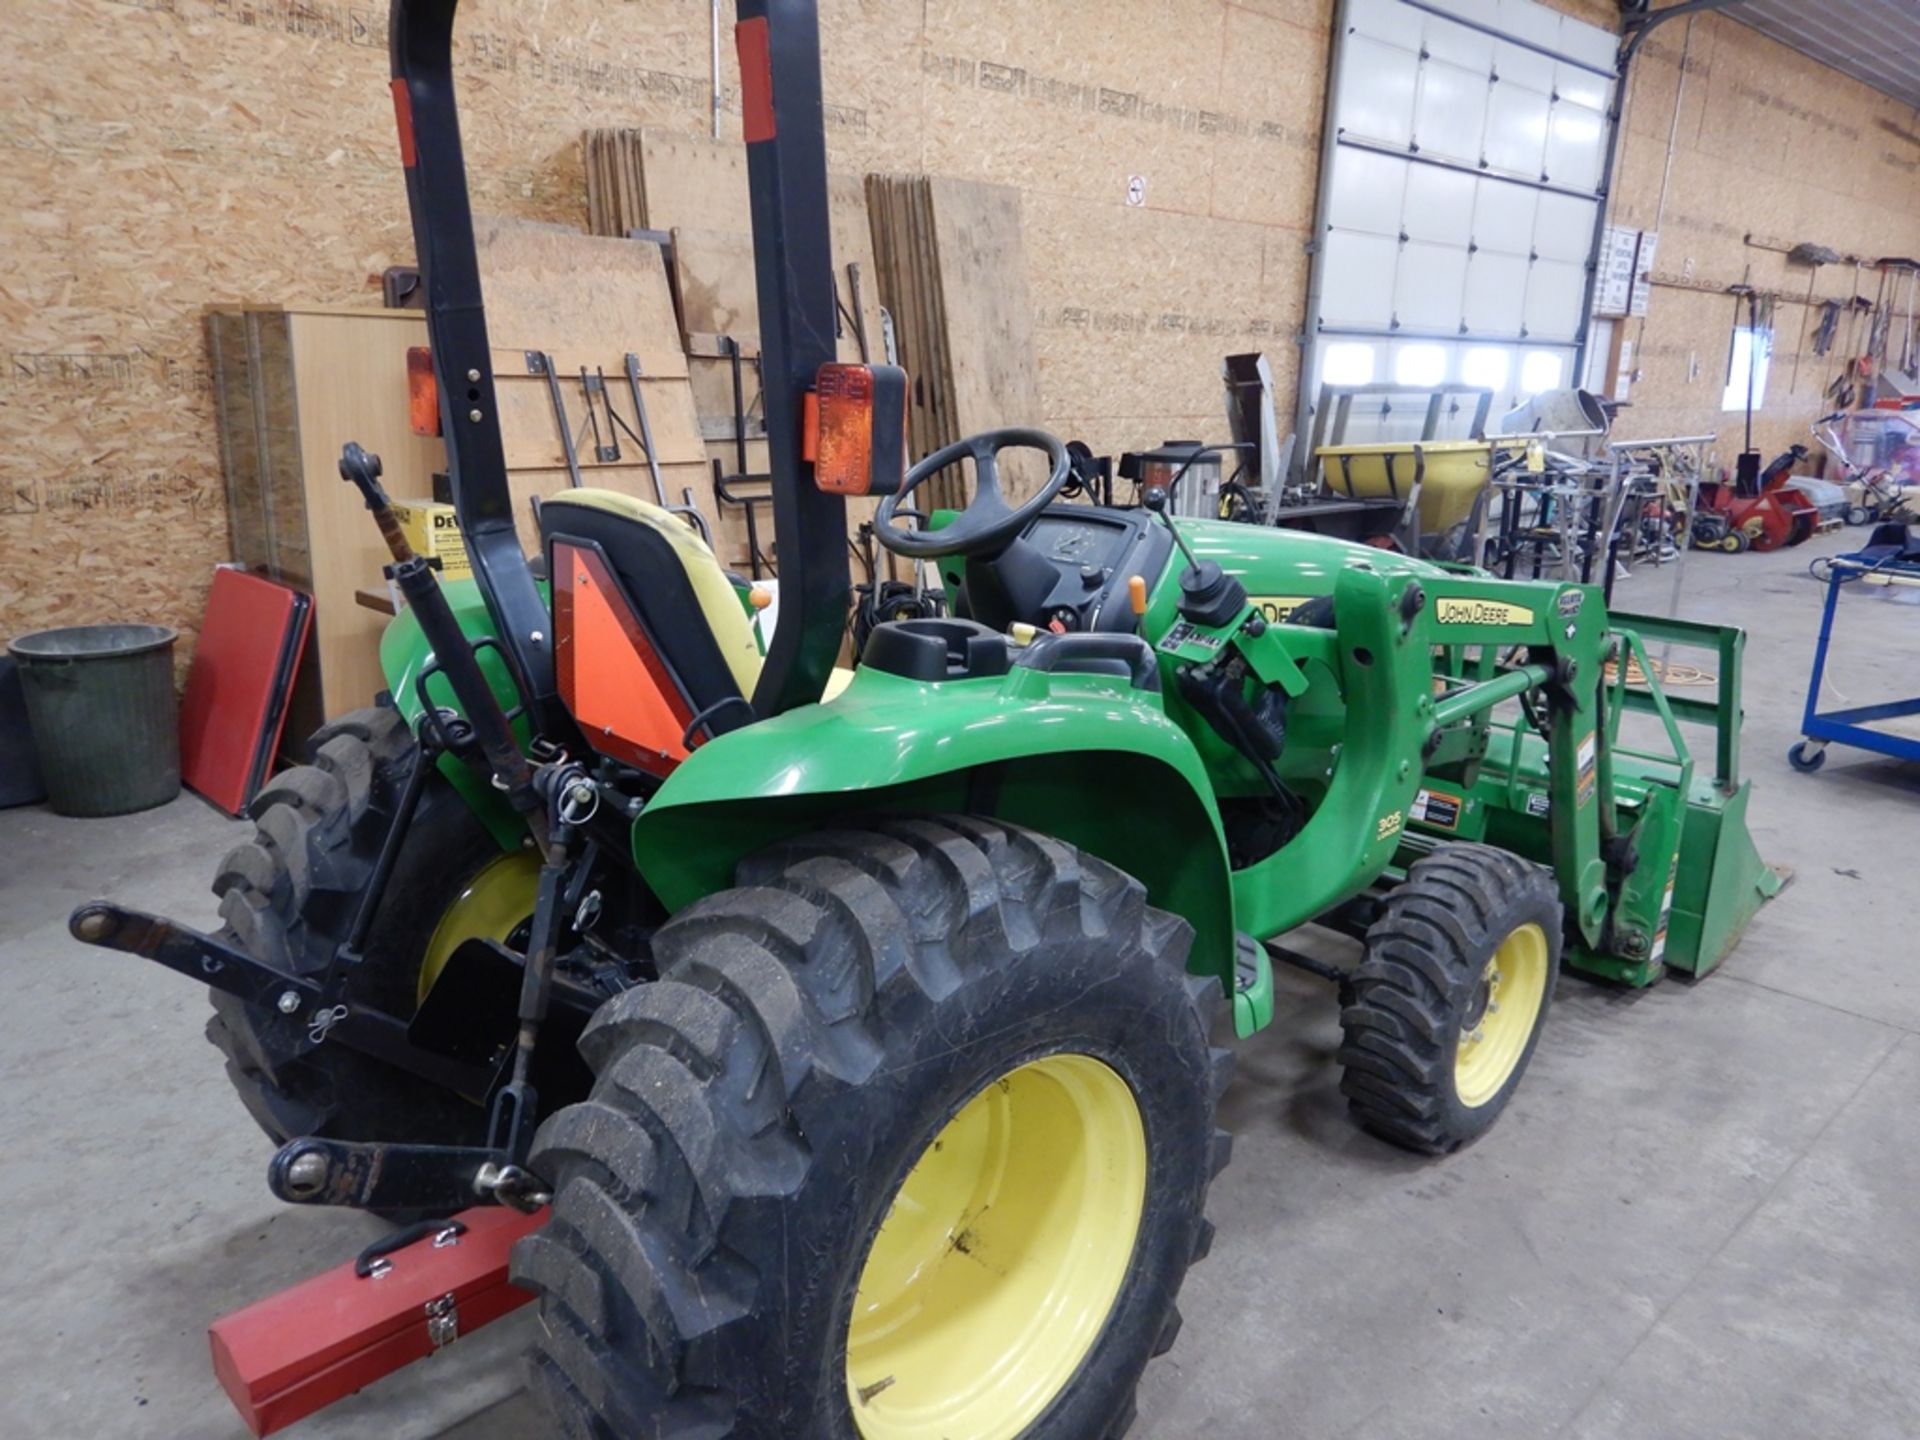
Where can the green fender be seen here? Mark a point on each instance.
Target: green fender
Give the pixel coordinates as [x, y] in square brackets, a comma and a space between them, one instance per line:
[404, 653]
[1083, 758]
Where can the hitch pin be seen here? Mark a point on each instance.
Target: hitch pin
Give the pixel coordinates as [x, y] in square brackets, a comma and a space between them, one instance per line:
[324, 1021]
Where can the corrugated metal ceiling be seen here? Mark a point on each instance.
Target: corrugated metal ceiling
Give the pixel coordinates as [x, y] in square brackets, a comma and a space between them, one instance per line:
[1875, 41]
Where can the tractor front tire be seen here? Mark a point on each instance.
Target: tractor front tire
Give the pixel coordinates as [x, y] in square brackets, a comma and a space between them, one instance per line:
[911, 1139]
[289, 896]
[1445, 1009]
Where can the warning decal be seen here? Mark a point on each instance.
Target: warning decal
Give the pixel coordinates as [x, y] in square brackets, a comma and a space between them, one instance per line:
[1583, 785]
[1438, 809]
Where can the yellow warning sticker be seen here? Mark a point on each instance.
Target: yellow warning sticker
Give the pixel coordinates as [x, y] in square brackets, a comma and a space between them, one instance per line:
[1460, 611]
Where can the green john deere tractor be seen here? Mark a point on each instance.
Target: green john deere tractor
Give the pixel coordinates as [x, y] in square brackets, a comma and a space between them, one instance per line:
[864, 1050]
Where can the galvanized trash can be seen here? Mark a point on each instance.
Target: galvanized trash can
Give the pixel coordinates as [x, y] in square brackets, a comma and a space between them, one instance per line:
[104, 716]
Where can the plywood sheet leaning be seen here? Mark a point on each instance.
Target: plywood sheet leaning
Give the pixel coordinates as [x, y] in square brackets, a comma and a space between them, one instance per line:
[953, 272]
[665, 181]
[579, 305]
[691, 181]
[696, 188]
[550, 287]
[719, 297]
[986, 311]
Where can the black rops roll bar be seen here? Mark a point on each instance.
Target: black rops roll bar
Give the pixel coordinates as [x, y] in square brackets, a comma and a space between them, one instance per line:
[421, 45]
[783, 120]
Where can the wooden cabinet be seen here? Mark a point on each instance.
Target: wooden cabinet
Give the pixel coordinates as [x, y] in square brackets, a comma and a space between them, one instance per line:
[292, 386]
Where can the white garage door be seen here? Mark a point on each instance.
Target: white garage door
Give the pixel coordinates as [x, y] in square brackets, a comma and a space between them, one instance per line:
[1469, 138]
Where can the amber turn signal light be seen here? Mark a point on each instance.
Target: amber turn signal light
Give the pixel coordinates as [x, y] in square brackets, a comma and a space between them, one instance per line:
[856, 424]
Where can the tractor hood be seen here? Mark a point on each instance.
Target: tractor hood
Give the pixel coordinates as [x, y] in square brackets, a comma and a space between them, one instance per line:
[1280, 568]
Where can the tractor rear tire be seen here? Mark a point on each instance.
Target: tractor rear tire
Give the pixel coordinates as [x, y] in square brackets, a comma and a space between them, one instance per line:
[968, 1015]
[289, 895]
[1444, 1011]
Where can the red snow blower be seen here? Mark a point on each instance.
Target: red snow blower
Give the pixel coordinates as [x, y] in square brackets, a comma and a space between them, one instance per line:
[1763, 513]
[1760, 510]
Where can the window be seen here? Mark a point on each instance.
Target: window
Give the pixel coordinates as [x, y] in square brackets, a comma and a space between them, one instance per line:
[1420, 365]
[1486, 365]
[1541, 370]
[1348, 363]
[1752, 354]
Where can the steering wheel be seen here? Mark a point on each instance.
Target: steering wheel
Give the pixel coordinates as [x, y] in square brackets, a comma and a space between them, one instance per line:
[988, 524]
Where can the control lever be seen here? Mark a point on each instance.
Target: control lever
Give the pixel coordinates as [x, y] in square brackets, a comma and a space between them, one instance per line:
[1208, 595]
[362, 470]
[451, 648]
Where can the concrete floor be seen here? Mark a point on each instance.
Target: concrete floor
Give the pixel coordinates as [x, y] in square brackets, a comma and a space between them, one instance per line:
[1696, 1219]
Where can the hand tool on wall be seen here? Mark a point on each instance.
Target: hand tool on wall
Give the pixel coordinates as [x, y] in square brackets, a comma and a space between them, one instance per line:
[606, 450]
[541, 363]
[686, 509]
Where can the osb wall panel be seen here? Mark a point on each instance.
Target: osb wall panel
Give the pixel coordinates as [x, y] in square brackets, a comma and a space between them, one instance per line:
[186, 152]
[164, 154]
[1765, 143]
[1216, 109]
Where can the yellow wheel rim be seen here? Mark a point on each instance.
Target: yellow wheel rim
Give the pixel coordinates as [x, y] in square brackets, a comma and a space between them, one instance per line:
[1001, 1257]
[1493, 1039]
[497, 901]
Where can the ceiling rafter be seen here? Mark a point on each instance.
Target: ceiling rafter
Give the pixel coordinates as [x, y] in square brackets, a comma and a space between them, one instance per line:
[1871, 40]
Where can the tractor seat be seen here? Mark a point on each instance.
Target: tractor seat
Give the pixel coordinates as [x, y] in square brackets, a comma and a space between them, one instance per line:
[653, 647]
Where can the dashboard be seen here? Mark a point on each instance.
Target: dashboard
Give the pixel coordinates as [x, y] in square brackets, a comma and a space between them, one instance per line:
[1079, 540]
[1067, 571]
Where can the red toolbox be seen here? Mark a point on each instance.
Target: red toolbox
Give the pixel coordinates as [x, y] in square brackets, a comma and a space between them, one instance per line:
[282, 1358]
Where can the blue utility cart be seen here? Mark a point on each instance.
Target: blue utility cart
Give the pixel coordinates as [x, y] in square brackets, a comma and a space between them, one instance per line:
[1891, 557]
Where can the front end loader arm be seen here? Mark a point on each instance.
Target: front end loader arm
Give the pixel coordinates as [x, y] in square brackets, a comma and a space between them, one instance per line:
[1545, 642]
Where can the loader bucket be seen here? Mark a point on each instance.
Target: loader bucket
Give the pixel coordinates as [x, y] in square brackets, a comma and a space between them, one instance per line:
[1698, 877]
[1718, 878]
[1719, 884]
